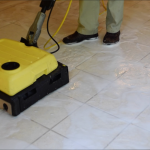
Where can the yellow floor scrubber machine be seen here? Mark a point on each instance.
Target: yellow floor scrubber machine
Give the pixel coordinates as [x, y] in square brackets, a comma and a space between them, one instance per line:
[28, 73]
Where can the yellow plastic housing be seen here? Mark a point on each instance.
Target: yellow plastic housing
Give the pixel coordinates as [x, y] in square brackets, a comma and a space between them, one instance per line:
[33, 63]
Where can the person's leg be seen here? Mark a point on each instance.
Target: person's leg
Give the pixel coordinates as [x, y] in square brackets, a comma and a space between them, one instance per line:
[87, 22]
[114, 15]
[88, 17]
[113, 21]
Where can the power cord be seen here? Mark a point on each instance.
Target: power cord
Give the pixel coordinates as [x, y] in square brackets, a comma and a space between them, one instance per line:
[51, 37]
[46, 48]
[50, 34]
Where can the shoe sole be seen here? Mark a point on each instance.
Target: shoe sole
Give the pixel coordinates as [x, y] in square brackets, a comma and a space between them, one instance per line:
[78, 43]
[109, 44]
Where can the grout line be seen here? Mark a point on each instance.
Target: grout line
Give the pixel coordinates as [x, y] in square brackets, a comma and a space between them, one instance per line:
[144, 57]
[6, 25]
[50, 129]
[32, 143]
[40, 124]
[58, 134]
[99, 91]
[140, 113]
[94, 75]
[71, 97]
[108, 113]
[86, 59]
[74, 75]
[65, 117]
[116, 136]
[140, 127]
[89, 100]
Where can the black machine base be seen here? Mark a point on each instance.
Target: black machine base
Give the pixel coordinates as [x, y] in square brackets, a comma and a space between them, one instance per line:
[46, 84]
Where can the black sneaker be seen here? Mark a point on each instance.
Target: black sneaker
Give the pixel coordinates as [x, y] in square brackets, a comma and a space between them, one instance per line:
[111, 38]
[79, 38]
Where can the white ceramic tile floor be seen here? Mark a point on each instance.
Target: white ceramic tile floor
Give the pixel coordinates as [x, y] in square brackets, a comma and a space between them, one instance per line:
[146, 61]
[107, 102]
[52, 109]
[9, 4]
[109, 66]
[3, 23]
[123, 100]
[73, 55]
[129, 3]
[143, 119]
[140, 5]
[135, 18]
[18, 130]
[73, 73]
[132, 138]
[92, 128]
[84, 86]
[127, 50]
[52, 140]
[143, 34]
[8, 14]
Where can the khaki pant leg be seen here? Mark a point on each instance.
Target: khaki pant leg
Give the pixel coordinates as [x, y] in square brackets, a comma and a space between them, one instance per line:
[114, 15]
[88, 16]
